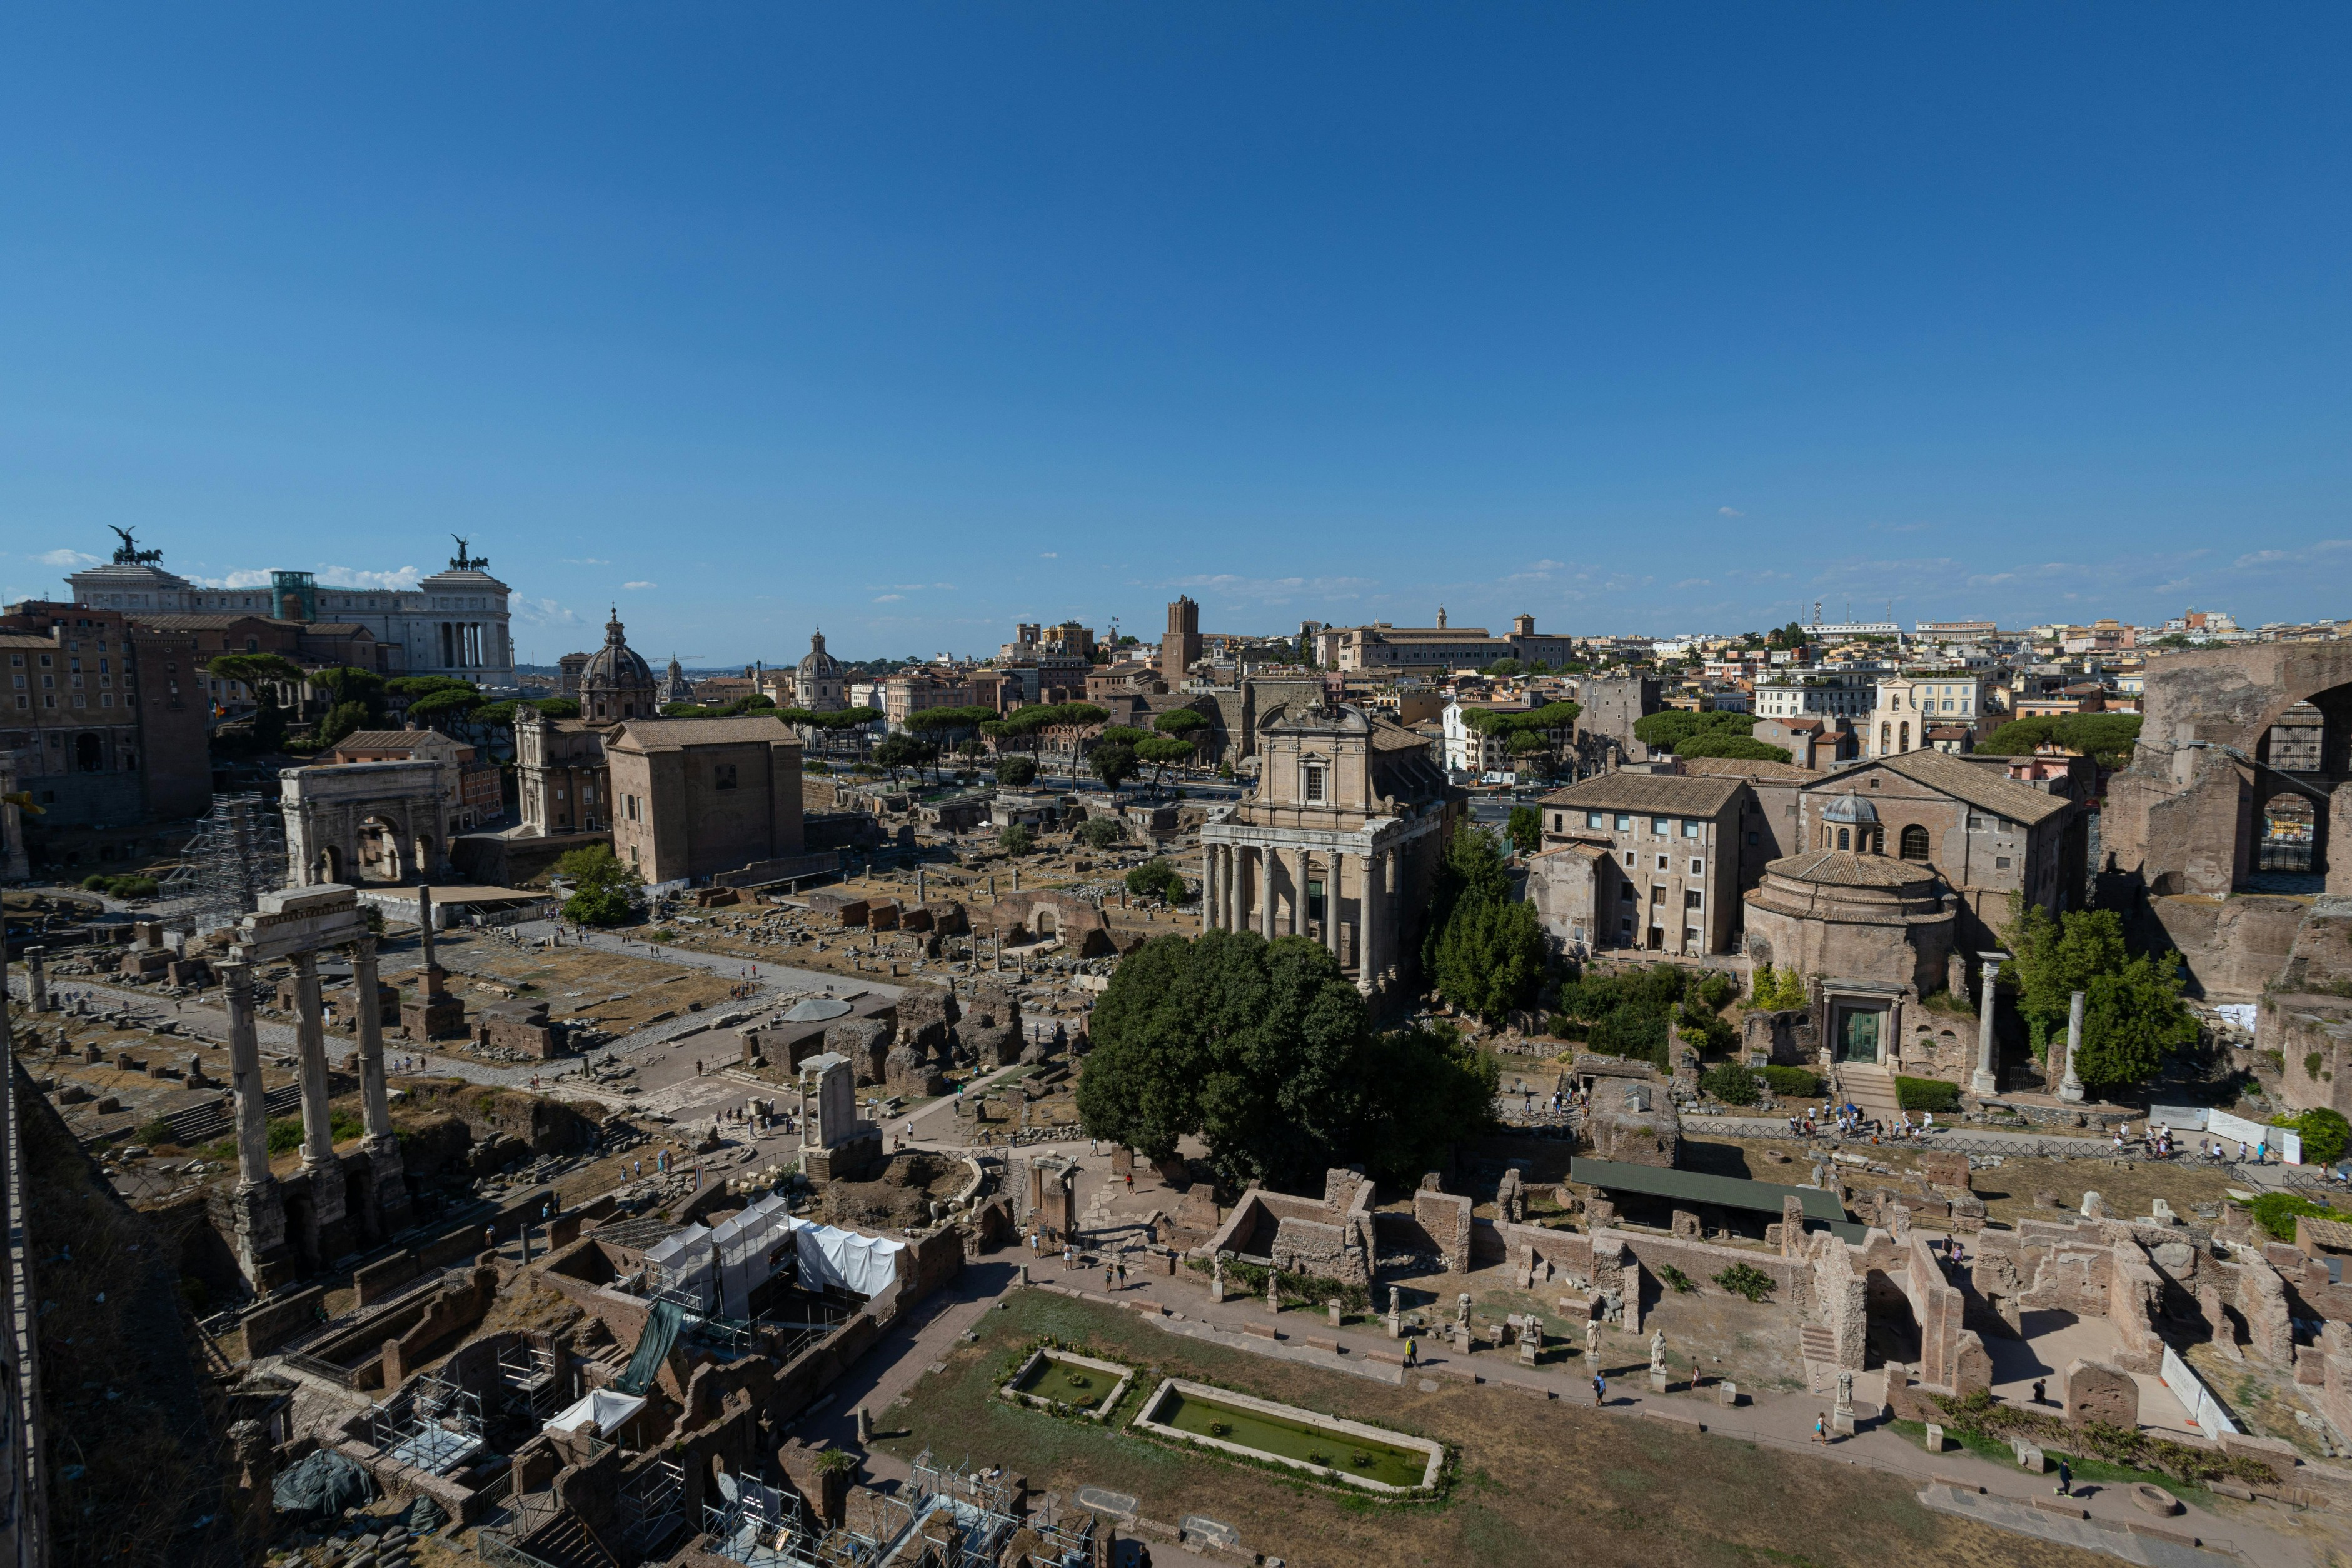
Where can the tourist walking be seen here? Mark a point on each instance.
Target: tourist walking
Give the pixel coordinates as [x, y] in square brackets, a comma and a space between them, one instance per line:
[1822, 1429]
[2065, 1487]
[1412, 1352]
[1600, 1390]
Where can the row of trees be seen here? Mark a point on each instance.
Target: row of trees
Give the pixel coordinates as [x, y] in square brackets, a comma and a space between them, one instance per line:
[1688, 734]
[1538, 736]
[2106, 738]
[1264, 1051]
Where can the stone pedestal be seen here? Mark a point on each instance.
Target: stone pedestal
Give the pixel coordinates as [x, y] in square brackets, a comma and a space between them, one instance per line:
[1935, 1438]
[1726, 1392]
[259, 1215]
[1396, 1326]
[1462, 1339]
[1657, 1381]
[1331, 1313]
[1216, 1290]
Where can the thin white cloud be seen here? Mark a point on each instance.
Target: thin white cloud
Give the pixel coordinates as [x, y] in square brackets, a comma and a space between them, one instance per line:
[889, 598]
[1730, 511]
[234, 580]
[1899, 527]
[640, 584]
[541, 612]
[1049, 555]
[585, 560]
[2322, 549]
[66, 558]
[382, 582]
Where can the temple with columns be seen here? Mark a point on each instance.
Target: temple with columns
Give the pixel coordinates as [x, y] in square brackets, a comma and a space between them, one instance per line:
[1340, 841]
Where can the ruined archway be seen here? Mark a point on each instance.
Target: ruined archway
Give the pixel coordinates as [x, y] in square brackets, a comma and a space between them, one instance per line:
[378, 857]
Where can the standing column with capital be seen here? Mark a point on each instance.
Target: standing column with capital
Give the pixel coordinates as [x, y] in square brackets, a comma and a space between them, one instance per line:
[37, 979]
[2070, 1089]
[388, 1190]
[1208, 886]
[1368, 957]
[327, 1208]
[1298, 892]
[1266, 863]
[259, 1209]
[1986, 1081]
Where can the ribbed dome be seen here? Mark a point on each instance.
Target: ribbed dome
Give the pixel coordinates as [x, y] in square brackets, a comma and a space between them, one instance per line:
[617, 666]
[818, 663]
[1849, 808]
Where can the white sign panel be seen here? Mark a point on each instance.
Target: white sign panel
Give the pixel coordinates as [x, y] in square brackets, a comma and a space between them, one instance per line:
[2283, 1141]
[2195, 1397]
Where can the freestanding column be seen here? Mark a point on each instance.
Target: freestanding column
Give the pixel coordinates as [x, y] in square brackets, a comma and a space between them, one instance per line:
[245, 1076]
[387, 1190]
[1298, 892]
[368, 1032]
[259, 1209]
[37, 979]
[1209, 906]
[1267, 860]
[2070, 1089]
[1367, 960]
[1986, 1081]
[310, 1043]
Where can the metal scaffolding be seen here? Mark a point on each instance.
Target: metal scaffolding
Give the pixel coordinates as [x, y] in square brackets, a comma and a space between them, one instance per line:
[238, 853]
[432, 1425]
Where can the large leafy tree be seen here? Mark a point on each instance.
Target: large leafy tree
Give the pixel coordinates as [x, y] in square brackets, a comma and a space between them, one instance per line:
[2106, 738]
[1162, 752]
[2132, 1014]
[1114, 763]
[264, 675]
[602, 887]
[1264, 1050]
[1673, 728]
[1484, 949]
[2132, 1020]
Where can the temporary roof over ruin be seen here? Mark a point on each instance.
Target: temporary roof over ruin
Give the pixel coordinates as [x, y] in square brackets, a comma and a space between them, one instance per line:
[1822, 1209]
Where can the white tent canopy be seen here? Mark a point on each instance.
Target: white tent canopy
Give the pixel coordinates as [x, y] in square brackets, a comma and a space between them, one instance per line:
[716, 1271]
[608, 1408]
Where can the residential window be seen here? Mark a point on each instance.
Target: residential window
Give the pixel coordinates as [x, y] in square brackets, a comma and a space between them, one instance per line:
[1660, 826]
[1626, 893]
[1662, 862]
[1692, 898]
[1699, 866]
[1755, 838]
[722, 775]
[1624, 824]
[2000, 862]
[1693, 829]
[1596, 819]
[1657, 895]
[1690, 936]
[1313, 790]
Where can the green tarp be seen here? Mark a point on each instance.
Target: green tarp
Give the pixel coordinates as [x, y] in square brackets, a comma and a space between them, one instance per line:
[653, 1348]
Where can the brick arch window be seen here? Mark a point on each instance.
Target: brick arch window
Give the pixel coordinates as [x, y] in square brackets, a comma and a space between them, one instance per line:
[1845, 838]
[1915, 843]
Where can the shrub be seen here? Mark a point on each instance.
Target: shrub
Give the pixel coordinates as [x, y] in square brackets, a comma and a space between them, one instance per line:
[2312, 1062]
[1632, 1031]
[1016, 839]
[156, 1132]
[1157, 878]
[2277, 1212]
[1716, 991]
[1747, 1280]
[1926, 1094]
[1730, 1082]
[834, 1462]
[1794, 1083]
[1102, 833]
[1681, 1283]
[2324, 1136]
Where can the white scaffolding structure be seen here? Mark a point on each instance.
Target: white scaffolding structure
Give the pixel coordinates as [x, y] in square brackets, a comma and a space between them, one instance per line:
[238, 853]
[432, 1425]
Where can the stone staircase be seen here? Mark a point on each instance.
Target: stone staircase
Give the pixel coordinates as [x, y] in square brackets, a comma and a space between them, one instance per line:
[564, 1542]
[1872, 1087]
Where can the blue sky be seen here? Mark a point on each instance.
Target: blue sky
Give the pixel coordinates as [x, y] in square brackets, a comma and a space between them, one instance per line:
[913, 321]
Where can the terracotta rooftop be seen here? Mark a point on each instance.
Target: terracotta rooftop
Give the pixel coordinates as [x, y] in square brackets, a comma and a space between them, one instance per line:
[668, 734]
[1745, 768]
[1973, 782]
[1844, 868]
[1666, 794]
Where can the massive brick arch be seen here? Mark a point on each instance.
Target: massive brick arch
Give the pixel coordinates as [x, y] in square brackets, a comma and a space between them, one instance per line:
[2183, 818]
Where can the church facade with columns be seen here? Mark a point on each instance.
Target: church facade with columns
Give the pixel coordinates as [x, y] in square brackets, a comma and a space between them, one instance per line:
[1341, 842]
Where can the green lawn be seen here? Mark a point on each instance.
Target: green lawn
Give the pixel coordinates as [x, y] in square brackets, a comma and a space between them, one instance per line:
[1540, 1484]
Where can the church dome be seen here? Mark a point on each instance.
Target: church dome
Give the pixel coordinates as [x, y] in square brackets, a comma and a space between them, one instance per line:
[1849, 808]
[615, 667]
[819, 663]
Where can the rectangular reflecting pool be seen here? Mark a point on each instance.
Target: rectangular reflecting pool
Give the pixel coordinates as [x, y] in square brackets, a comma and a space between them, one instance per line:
[1061, 1377]
[1363, 1455]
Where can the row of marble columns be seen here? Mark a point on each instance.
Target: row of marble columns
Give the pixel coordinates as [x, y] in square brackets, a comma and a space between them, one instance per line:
[319, 1161]
[1239, 888]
